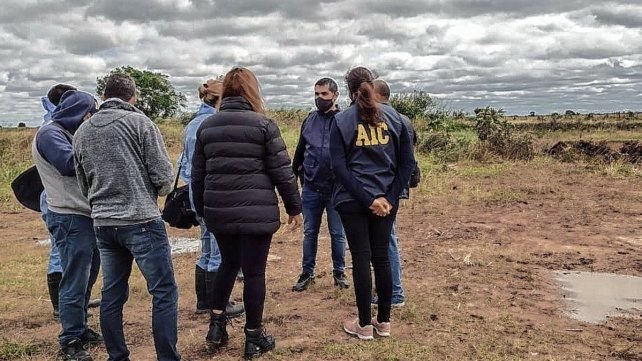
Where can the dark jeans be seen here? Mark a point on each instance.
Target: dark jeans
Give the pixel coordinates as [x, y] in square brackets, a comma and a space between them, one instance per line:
[148, 245]
[368, 238]
[314, 203]
[74, 236]
[248, 253]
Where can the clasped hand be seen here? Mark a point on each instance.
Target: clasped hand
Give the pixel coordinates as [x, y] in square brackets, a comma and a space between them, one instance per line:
[381, 207]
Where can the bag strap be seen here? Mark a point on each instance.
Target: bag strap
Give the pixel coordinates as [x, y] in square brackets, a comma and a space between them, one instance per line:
[180, 165]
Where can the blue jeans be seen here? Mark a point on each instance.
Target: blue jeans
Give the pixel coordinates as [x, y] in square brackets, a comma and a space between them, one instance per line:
[313, 205]
[395, 266]
[54, 265]
[210, 259]
[147, 244]
[74, 236]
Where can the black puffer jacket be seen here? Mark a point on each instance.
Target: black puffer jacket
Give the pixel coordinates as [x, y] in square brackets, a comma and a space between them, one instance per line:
[238, 160]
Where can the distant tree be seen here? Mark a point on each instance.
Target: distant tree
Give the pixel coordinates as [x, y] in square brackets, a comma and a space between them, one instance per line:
[157, 96]
[569, 112]
[532, 114]
[412, 105]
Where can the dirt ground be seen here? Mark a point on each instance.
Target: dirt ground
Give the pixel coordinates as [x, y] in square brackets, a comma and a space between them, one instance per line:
[479, 244]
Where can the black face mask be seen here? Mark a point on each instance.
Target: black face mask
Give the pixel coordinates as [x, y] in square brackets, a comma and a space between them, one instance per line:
[323, 104]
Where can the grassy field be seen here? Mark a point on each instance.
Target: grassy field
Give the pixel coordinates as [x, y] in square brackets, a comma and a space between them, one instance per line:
[479, 239]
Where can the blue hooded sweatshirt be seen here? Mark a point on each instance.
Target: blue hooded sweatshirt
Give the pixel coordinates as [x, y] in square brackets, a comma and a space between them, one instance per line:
[53, 140]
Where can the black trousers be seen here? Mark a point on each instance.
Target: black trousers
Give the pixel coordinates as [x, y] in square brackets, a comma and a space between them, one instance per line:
[248, 253]
[368, 237]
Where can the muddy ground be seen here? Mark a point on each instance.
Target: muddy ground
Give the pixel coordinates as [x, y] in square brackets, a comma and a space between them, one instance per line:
[479, 244]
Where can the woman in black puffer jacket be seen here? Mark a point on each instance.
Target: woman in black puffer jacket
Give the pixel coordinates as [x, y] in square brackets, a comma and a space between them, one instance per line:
[239, 159]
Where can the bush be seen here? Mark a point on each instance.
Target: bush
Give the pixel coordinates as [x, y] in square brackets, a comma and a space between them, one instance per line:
[495, 134]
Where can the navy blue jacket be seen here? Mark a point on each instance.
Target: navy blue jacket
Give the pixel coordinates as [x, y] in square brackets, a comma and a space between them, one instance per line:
[370, 162]
[54, 143]
[311, 160]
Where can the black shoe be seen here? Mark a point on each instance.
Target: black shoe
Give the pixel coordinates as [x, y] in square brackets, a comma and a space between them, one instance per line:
[91, 337]
[340, 279]
[305, 279]
[217, 334]
[200, 286]
[53, 283]
[257, 342]
[234, 309]
[74, 351]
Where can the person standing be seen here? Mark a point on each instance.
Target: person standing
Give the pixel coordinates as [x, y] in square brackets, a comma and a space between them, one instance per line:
[311, 164]
[239, 159]
[122, 166]
[54, 267]
[382, 94]
[210, 259]
[372, 160]
[68, 220]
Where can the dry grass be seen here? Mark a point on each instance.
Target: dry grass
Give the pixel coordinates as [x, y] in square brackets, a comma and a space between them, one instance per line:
[477, 239]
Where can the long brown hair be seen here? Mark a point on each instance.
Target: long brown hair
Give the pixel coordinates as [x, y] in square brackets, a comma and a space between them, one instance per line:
[242, 82]
[361, 91]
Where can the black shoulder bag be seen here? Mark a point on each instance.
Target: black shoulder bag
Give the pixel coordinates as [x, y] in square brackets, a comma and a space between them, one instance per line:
[178, 211]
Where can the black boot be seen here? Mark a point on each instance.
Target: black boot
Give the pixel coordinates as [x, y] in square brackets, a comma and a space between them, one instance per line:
[53, 283]
[257, 342]
[217, 334]
[200, 282]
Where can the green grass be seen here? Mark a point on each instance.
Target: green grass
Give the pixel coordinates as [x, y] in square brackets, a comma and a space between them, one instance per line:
[13, 350]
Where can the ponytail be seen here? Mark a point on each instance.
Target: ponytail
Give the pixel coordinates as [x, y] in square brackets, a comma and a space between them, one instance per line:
[369, 110]
[361, 90]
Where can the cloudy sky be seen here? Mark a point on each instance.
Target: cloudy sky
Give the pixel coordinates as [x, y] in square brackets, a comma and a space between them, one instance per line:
[522, 55]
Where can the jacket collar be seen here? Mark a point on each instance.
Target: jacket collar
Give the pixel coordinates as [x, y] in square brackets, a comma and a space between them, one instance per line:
[235, 103]
[117, 103]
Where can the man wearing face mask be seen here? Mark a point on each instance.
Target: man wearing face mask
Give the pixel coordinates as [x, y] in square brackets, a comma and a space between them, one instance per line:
[311, 165]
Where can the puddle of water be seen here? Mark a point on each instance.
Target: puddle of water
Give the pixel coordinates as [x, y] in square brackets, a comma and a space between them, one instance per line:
[592, 297]
[179, 245]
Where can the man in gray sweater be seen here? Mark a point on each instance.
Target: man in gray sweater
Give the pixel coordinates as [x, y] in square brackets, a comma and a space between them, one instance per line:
[122, 167]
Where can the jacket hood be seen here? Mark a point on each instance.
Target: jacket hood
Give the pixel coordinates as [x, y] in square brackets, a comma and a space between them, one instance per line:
[73, 107]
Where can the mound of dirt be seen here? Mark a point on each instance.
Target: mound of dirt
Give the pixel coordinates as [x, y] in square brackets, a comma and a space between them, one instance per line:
[566, 150]
[633, 151]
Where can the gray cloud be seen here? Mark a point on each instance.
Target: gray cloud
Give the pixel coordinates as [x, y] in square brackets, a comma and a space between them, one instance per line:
[522, 55]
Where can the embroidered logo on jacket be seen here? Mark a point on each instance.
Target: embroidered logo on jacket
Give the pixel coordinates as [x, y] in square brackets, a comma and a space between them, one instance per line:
[373, 135]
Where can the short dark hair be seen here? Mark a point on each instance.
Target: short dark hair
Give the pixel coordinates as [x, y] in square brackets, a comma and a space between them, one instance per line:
[120, 86]
[382, 88]
[55, 93]
[331, 83]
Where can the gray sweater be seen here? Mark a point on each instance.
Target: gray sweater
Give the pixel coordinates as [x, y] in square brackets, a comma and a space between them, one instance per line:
[122, 165]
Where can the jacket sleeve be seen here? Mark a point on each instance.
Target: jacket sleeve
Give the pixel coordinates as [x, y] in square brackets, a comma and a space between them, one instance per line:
[277, 164]
[83, 183]
[343, 175]
[56, 148]
[297, 161]
[405, 166]
[198, 176]
[157, 161]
